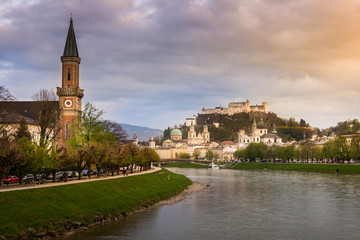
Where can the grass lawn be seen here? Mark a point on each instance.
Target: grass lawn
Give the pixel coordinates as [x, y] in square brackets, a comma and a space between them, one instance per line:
[44, 208]
[301, 167]
[187, 165]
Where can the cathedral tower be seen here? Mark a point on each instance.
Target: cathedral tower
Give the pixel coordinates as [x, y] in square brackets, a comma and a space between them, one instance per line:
[69, 93]
[206, 134]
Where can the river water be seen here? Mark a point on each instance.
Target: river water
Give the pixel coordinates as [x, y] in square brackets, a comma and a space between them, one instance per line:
[249, 205]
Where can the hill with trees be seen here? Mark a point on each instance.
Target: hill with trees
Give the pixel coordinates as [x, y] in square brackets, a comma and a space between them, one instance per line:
[343, 128]
[229, 126]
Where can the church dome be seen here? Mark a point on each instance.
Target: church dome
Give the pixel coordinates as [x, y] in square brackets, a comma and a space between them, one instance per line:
[176, 132]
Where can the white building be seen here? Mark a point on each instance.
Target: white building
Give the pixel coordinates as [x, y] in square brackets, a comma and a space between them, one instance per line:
[198, 138]
[190, 121]
[257, 135]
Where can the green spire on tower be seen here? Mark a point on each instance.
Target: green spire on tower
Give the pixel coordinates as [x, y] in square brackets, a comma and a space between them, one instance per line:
[70, 49]
[254, 122]
[274, 130]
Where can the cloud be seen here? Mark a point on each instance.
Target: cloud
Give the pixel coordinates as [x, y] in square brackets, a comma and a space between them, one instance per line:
[154, 62]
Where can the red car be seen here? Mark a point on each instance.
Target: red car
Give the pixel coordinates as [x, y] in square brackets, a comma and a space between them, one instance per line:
[11, 179]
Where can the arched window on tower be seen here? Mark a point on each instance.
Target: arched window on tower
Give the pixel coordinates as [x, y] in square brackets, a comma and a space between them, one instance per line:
[68, 74]
[67, 130]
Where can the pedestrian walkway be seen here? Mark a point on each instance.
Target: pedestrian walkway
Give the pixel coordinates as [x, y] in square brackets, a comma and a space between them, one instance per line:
[155, 169]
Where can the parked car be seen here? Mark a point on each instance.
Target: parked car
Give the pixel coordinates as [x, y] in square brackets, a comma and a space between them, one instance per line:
[40, 177]
[64, 176]
[57, 176]
[74, 174]
[11, 179]
[70, 174]
[94, 172]
[29, 178]
[85, 172]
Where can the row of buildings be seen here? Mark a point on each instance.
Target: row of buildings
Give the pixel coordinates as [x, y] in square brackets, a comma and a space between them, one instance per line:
[171, 148]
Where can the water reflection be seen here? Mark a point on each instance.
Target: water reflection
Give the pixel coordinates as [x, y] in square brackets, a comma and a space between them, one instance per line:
[250, 205]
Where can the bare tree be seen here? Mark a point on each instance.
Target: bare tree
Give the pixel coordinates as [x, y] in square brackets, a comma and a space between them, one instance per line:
[48, 114]
[115, 128]
[5, 94]
[4, 116]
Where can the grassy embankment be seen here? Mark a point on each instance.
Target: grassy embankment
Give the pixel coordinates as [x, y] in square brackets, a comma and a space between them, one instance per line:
[186, 165]
[46, 209]
[299, 167]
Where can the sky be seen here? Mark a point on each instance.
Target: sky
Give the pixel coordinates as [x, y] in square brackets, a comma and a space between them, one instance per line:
[155, 63]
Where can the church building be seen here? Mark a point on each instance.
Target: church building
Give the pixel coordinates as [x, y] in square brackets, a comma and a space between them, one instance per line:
[259, 133]
[200, 138]
[67, 109]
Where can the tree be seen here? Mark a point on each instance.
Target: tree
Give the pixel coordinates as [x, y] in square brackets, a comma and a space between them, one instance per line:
[130, 152]
[5, 95]
[167, 133]
[342, 149]
[25, 155]
[101, 156]
[90, 133]
[261, 150]
[22, 130]
[317, 153]
[250, 152]
[196, 153]
[355, 147]
[151, 156]
[79, 156]
[140, 159]
[48, 116]
[239, 154]
[209, 155]
[7, 157]
[273, 152]
[184, 155]
[287, 153]
[25, 151]
[307, 150]
[115, 128]
[328, 151]
[53, 159]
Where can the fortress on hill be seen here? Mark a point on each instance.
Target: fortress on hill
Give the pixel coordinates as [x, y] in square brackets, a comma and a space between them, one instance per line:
[237, 107]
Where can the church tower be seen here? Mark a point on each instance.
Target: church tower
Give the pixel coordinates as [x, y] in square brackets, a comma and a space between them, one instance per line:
[69, 93]
[191, 132]
[206, 134]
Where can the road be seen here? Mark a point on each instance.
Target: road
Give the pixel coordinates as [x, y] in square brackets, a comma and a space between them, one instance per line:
[5, 189]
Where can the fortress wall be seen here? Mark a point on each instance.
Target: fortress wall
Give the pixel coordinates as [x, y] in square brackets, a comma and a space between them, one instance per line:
[237, 107]
[211, 111]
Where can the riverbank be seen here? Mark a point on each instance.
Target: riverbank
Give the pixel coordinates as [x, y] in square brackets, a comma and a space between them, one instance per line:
[299, 167]
[55, 211]
[193, 188]
[186, 165]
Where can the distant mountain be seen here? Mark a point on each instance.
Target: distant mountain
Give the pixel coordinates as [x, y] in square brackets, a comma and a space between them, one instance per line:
[143, 133]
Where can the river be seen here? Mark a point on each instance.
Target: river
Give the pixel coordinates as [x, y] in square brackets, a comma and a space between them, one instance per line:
[249, 205]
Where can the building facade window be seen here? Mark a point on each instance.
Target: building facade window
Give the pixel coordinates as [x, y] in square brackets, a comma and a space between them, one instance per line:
[68, 74]
[68, 130]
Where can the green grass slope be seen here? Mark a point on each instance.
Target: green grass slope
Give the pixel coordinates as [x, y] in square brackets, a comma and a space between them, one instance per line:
[45, 208]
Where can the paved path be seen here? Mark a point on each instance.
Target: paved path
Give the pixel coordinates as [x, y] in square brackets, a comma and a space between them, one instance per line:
[77, 181]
